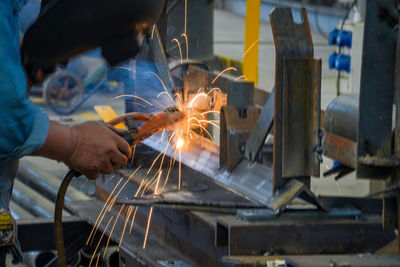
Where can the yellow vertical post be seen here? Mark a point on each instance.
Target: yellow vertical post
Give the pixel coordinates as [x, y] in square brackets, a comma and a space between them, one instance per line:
[251, 40]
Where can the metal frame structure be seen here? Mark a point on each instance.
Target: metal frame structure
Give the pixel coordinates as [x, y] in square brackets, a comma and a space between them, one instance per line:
[235, 172]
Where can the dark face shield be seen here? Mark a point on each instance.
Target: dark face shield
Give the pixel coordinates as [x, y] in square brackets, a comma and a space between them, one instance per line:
[66, 28]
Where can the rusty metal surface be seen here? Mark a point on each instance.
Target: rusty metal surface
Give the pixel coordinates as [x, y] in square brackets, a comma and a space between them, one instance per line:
[237, 121]
[223, 82]
[340, 149]
[301, 117]
[234, 133]
[301, 236]
[376, 89]
[241, 95]
[292, 40]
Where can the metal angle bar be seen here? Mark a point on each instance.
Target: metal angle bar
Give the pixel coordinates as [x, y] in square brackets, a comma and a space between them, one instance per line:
[261, 129]
[292, 40]
[301, 117]
[185, 203]
[202, 157]
[302, 235]
[289, 192]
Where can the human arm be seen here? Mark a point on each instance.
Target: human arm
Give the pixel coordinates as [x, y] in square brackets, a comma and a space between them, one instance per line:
[90, 147]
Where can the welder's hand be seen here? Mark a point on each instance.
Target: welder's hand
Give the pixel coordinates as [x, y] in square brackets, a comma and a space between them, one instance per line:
[96, 149]
[89, 148]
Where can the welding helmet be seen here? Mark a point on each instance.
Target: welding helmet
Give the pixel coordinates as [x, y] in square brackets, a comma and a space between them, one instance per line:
[66, 28]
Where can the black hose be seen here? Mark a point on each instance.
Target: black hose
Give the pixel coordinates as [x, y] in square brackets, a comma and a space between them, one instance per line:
[58, 227]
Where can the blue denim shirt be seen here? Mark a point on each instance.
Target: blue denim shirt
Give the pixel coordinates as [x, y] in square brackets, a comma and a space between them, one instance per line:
[23, 125]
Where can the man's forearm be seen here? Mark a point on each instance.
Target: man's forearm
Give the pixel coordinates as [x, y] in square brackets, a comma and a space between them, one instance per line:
[59, 143]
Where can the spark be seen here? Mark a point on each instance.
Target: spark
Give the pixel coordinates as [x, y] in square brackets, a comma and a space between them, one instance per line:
[214, 89]
[136, 194]
[179, 143]
[152, 31]
[136, 103]
[133, 220]
[162, 83]
[171, 164]
[158, 182]
[159, 155]
[101, 238]
[176, 96]
[222, 72]
[205, 130]
[151, 212]
[185, 17]
[101, 215]
[244, 77]
[130, 209]
[162, 93]
[196, 98]
[147, 228]
[251, 46]
[209, 112]
[134, 96]
[162, 136]
[112, 230]
[184, 35]
[180, 172]
[84, 183]
[122, 187]
[108, 180]
[98, 258]
[180, 49]
[125, 68]
[211, 122]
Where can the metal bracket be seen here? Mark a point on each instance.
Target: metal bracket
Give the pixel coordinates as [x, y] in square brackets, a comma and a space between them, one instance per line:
[237, 122]
[297, 98]
[235, 130]
[290, 191]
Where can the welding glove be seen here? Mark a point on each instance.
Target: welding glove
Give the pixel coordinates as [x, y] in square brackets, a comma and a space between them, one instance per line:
[90, 148]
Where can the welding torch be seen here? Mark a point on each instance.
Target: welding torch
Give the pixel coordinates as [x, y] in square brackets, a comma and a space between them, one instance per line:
[135, 134]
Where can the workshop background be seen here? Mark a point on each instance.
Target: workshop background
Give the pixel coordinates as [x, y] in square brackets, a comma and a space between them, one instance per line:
[234, 37]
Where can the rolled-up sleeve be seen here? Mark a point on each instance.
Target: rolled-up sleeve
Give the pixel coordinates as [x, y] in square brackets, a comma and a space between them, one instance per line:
[23, 125]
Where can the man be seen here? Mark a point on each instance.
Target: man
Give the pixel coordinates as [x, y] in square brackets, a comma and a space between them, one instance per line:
[90, 148]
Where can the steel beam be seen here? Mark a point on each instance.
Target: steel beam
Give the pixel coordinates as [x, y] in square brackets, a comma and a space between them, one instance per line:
[313, 235]
[377, 89]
